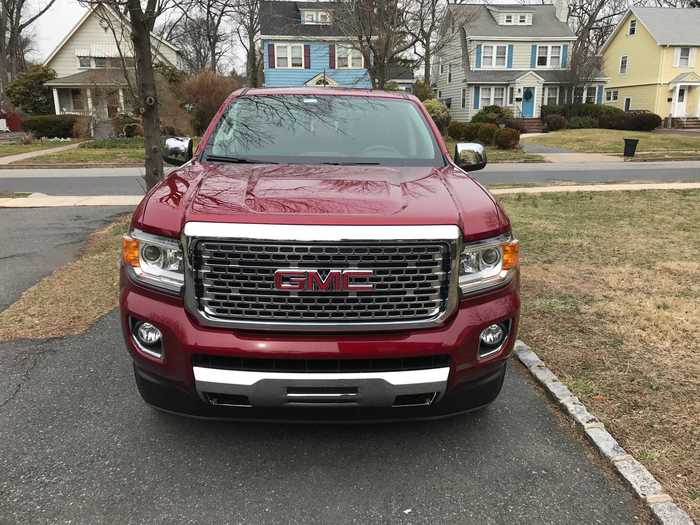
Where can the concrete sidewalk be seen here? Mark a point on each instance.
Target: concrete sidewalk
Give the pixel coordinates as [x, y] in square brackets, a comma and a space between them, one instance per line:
[38, 153]
[40, 200]
[574, 158]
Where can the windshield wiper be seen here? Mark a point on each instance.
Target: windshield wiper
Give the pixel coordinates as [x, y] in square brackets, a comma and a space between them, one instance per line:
[238, 160]
[351, 163]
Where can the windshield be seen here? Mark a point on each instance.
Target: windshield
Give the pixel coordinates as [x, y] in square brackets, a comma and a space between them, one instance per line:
[324, 129]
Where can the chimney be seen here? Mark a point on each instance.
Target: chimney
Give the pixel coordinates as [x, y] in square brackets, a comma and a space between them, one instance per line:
[561, 10]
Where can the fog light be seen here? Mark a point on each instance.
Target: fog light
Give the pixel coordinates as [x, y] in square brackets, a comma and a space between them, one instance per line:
[493, 335]
[148, 335]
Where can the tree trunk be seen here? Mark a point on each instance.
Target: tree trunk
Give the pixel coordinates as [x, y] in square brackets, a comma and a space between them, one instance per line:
[147, 95]
[252, 63]
[426, 66]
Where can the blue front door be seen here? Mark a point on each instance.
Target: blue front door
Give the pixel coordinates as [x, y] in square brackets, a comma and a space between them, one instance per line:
[528, 102]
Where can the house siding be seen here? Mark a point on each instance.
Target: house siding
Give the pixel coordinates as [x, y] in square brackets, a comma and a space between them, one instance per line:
[92, 37]
[319, 55]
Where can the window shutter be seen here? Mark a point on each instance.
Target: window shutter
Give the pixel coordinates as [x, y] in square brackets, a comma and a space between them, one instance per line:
[676, 57]
[691, 58]
[271, 56]
[564, 55]
[478, 56]
[533, 56]
[599, 95]
[510, 56]
[307, 56]
[331, 56]
[476, 97]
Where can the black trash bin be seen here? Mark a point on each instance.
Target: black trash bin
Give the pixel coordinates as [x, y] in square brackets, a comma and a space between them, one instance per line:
[630, 147]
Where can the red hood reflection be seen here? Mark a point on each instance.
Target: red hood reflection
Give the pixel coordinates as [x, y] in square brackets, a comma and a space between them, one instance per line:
[313, 194]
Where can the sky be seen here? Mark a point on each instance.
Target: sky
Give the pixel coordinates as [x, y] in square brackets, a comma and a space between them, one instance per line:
[55, 24]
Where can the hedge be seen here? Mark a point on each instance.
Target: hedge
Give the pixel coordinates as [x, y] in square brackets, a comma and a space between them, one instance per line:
[439, 113]
[485, 133]
[507, 138]
[50, 126]
[569, 111]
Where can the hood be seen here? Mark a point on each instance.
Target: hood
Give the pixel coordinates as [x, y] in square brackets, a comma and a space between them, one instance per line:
[312, 194]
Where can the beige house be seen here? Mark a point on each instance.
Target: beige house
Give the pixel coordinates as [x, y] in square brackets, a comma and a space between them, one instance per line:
[653, 61]
[90, 65]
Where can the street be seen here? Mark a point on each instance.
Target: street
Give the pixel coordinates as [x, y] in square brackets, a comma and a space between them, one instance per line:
[128, 181]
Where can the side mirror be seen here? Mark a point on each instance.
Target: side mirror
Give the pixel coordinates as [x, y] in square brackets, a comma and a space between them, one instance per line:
[470, 156]
[177, 150]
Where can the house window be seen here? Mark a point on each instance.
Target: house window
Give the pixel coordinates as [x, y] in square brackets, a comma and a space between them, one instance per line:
[511, 96]
[494, 56]
[549, 56]
[632, 27]
[315, 17]
[289, 56]
[628, 103]
[449, 72]
[492, 96]
[552, 96]
[76, 96]
[611, 95]
[348, 58]
[578, 95]
[684, 57]
[623, 64]
[100, 61]
[84, 62]
[499, 96]
[509, 19]
[591, 92]
[522, 19]
[464, 98]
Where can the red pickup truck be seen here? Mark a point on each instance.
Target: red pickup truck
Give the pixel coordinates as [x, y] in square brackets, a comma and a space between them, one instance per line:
[320, 256]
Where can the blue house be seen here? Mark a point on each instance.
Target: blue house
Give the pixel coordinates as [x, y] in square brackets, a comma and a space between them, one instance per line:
[303, 47]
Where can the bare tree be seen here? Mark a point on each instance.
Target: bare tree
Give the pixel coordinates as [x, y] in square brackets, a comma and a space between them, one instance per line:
[14, 22]
[378, 28]
[247, 22]
[139, 20]
[431, 24]
[208, 18]
[189, 34]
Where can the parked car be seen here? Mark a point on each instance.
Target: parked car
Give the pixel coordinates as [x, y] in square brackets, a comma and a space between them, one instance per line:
[320, 257]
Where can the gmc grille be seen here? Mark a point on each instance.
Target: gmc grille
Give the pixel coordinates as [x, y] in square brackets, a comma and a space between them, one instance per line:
[234, 281]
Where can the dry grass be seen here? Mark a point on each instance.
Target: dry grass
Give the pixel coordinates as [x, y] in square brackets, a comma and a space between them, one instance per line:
[90, 155]
[611, 295]
[73, 297]
[496, 155]
[15, 149]
[611, 140]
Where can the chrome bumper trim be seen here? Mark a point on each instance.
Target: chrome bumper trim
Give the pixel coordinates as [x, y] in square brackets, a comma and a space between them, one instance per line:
[368, 388]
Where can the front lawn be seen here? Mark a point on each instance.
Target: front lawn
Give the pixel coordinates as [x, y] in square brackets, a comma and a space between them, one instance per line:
[501, 155]
[91, 155]
[15, 149]
[611, 141]
[610, 289]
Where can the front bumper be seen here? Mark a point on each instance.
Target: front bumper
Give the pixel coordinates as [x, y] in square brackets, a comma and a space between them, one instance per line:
[176, 383]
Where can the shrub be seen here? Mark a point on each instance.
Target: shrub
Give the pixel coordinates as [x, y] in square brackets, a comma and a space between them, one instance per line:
[26, 139]
[507, 138]
[13, 120]
[555, 122]
[583, 122]
[568, 111]
[81, 128]
[438, 112]
[487, 132]
[422, 90]
[51, 125]
[493, 115]
[642, 121]
[125, 125]
[471, 132]
[204, 93]
[457, 130]
[28, 92]
[514, 124]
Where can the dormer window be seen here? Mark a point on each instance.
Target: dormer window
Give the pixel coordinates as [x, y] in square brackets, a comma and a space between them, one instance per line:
[522, 19]
[509, 19]
[517, 19]
[317, 17]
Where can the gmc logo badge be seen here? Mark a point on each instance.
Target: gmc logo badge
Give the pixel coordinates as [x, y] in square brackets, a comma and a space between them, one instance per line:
[298, 280]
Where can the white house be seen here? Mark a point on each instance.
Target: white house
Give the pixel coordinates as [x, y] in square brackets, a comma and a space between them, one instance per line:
[90, 77]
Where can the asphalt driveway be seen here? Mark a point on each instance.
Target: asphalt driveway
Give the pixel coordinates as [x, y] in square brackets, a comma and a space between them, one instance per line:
[78, 445]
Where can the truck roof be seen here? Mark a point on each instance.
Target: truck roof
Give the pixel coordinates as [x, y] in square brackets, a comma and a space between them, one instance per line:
[319, 91]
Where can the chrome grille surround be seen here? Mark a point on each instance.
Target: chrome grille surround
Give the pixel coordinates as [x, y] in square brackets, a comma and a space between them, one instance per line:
[417, 262]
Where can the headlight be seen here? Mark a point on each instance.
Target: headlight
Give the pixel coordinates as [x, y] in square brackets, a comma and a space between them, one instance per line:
[487, 264]
[154, 260]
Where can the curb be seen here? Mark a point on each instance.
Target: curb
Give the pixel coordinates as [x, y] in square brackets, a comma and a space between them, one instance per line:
[643, 484]
[67, 166]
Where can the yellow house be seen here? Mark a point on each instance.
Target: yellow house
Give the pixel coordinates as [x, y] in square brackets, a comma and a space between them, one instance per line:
[653, 64]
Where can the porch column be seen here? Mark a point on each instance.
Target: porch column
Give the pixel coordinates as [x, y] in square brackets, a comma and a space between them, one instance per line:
[122, 107]
[675, 101]
[88, 92]
[56, 101]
